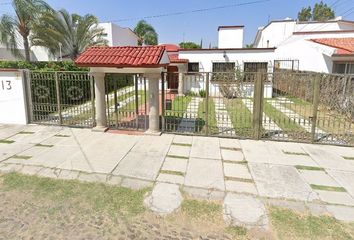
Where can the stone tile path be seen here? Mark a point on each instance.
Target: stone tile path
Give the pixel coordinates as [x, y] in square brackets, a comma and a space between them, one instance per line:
[316, 176]
[223, 120]
[189, 119]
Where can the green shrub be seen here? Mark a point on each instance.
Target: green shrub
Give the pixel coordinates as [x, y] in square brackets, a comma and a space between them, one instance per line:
[42, 66]
[202, 93]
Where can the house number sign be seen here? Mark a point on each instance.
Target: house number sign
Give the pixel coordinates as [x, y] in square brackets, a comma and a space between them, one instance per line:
[5, 85]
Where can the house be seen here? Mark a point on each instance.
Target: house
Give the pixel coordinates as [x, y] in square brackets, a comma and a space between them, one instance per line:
[318, 46]
[114, 34]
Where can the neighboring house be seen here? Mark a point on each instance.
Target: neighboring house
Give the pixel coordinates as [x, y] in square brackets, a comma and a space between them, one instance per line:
[114, 34]
[318, 46]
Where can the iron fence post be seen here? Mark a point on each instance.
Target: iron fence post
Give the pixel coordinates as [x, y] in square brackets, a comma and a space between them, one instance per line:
[163, 102]
[258, 106]
[93, 109]
[57, 86]
[315, 103]
[207, 104]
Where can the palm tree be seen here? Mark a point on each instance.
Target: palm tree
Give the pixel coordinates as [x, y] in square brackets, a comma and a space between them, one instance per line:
[146, 33]
[69, 33]
[15, 31]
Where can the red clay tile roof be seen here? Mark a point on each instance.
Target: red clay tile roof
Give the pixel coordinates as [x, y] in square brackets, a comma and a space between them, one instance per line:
[146, 56]
[343, 45]
[174, 59]
[171, 47]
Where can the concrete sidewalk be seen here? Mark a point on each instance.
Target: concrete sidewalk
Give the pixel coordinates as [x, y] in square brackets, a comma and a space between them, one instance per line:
[203, 166]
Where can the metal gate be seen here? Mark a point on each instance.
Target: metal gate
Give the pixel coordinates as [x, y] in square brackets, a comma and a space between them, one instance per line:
[61, 98]
[284, 105]
[126, 102]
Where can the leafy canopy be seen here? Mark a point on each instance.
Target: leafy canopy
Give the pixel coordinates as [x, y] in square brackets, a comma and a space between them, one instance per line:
[14, 30]
[320, 12]
[189, 45]
[146, 33]
[70, 33]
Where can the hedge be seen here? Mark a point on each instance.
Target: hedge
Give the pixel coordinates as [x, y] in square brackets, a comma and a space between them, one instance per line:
[42, 66]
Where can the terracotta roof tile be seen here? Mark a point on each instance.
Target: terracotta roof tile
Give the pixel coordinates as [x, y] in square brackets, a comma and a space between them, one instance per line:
[174, 59]
[343, 45]
[146, 56]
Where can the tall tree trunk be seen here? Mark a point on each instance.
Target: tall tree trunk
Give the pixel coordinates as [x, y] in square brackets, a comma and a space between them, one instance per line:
[27, 49]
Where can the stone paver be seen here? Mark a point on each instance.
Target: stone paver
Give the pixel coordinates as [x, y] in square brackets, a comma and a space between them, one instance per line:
[164, 199]
[318, 178]
[207, 194]
[345, 179]
[183, 139]
[205, 173]
[139, 165]
[182, 151]
[30, 170]
[170, 178]
[175, 164]
[8, 168]
[232, 155]
[245, 211]
[342, 213]
[328, 159]
[204, 147]
[114, 180]
[93, 177]
[229, 143]
[49, 172]
[237, 171]
[136, 184]
[240, 187]
[336, 197]
[281, 182]
[68, 175]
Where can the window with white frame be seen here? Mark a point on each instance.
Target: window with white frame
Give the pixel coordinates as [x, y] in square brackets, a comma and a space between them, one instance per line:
[343, 67]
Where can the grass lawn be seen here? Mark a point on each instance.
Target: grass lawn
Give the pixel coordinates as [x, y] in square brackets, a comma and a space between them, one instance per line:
[212, 127]
[174, 116]
[241, 117]
[46, 208]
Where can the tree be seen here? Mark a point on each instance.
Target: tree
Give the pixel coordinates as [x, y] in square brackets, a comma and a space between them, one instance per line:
[15, 31]
[69, 33]
[189, 45]
[146, 33]
[249, 45]
[321, 12]
[305, 14]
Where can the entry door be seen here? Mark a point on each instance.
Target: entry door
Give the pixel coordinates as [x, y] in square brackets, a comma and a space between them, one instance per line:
[172, 78]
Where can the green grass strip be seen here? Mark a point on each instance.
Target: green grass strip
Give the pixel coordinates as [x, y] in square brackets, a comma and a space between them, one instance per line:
[301, 167]
[175, 156]
[61, 135]
[328, 188]
[238, 179]
[43, 145]
[348, 158]
[283, 121]
[296, 153]
[25, 132]
[23, 157]
[235, 162]
[172, 172]
[6, 141]
[182, 144]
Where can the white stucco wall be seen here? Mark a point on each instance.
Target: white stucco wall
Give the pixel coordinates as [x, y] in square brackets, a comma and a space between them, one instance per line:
[230, 37]
[275, 33]
[118, 36]
[205, 58]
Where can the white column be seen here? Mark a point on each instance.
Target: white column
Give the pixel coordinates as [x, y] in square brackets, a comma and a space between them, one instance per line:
[181, 75]
[100, 102]
[154, 100]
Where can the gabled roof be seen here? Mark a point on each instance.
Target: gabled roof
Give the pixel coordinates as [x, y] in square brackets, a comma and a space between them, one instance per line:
[143, 57]
[171, 47]
[343, 45]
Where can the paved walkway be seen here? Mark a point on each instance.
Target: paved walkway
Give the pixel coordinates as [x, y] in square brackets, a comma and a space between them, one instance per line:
[319, 176]
[223, 120]
[189, 119]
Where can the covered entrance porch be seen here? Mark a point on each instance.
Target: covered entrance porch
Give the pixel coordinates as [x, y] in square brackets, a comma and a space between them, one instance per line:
[136, 105]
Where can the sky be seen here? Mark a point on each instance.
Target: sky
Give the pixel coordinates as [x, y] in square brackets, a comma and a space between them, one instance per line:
[192, 25]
